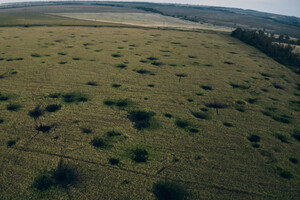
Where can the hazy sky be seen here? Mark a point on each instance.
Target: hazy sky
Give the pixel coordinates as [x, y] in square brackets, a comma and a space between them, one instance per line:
[285, 7]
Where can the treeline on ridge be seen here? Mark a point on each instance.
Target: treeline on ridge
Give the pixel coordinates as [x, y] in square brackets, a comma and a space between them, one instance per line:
[280, 52]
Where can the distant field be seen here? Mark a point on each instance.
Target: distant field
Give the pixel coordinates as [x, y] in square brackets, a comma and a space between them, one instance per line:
[223, 117]
[140, 19]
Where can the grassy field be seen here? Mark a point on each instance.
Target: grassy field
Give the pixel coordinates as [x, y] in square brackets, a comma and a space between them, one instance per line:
[141, 19]
[105, 113]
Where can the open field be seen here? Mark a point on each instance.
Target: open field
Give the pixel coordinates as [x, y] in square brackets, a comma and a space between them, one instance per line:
[208, 93]
[141, 19]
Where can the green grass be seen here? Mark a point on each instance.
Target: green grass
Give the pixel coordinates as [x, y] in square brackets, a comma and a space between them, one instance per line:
[88, 124]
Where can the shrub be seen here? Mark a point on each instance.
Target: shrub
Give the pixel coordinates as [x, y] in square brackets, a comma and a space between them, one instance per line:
[113, 161]
[140, 155]
[54, 95]
[64, 174]
[206, 87]
[74, 97]
[122, 103]
[155, 63]
[43, 128]
[10, 143]
[296, 135]
[216, 105]
[76, 58]
[121, 66]
[53, 107]
[237, 86]
[150, 85]
[181, 123]
[36, 113]
[251, 100]
[168, 115]
[1, 121]
[116, 55]
[228, 124]
[141, 119]
[114, 85]
[168, 191]
[193, 130]
[108, 102]
[293, 160]
[284, 174]
[143, 71]
[35, 55]
[61, 53]
[92, 83]
[113, 133]
[98, 142]
[62, 62]
[255, 145]
[282, 119]
[201, 115]
[3, 98]
[13, 107]
[86, 130]
[281, 137]
[253, 138]
[43, 181]
[152, 58]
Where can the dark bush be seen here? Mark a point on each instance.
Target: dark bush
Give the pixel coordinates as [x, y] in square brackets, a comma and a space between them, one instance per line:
[293, 160]
[296, 135]
[284, 174]
[152, 58]
[64, 174]
[253, 138]
[13, 107]
[168, 191]
[113, 133]
[86, 130]
[140, 155]
[113, 161]
[3, 98]
[114, 85]
[216, 105]
[10, 143]
[1, 121]
[43, 182]
[35, 55]
[43, 128]
[201, 115]
[98, 142]
[141, 119]
[206, 87]
[228, 124]
[251, 100]
[109, 102]
[54, 95]
[168, 115]
[181, 123]
[116, 55]
[193, 130]
[92, 83]
[36, 113]
[121, 66]
[53, 107]
[74, 97]
[157, 63]
[281, 137]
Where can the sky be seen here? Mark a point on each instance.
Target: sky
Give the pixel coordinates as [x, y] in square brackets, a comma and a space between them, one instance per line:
[284, 7]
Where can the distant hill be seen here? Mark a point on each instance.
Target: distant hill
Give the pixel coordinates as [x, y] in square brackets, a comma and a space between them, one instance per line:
[218, 16]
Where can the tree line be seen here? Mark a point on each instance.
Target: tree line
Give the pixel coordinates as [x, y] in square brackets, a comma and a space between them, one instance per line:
[279, 49]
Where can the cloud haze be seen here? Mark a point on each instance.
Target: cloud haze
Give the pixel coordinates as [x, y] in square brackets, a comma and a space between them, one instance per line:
[285, 7]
